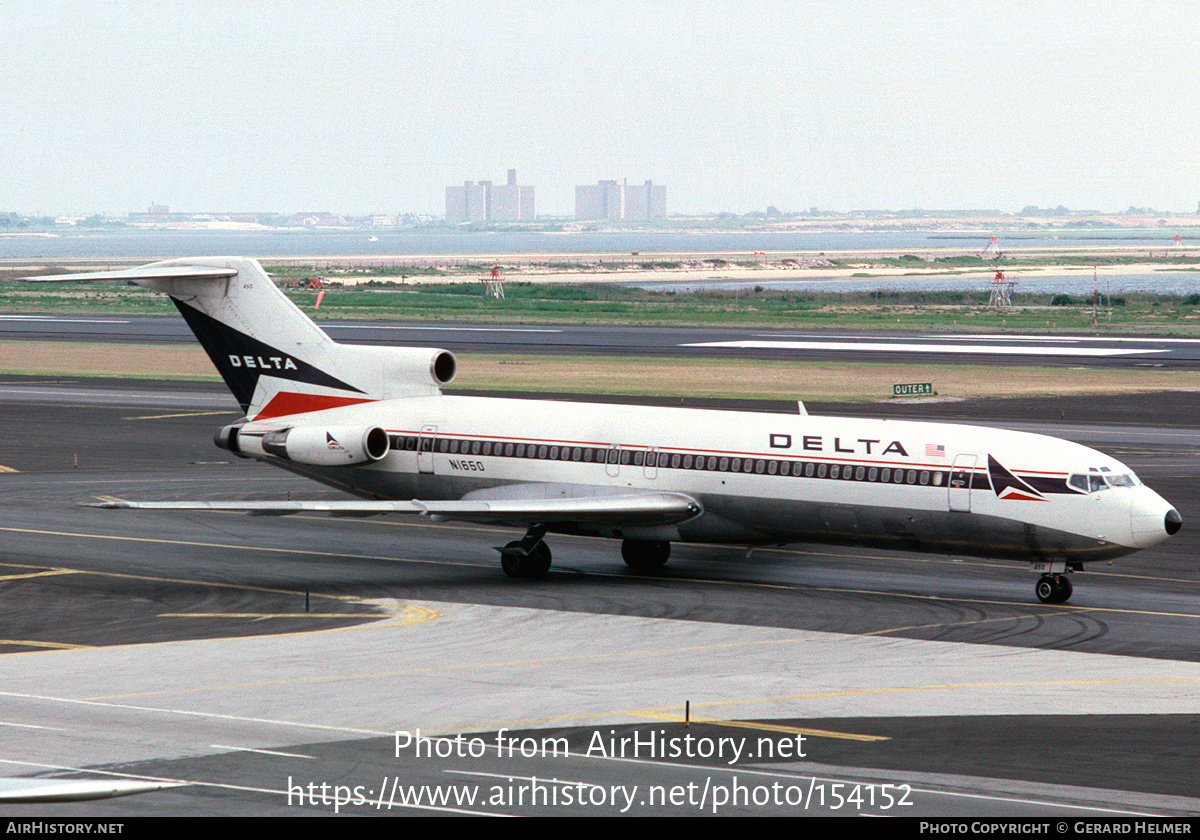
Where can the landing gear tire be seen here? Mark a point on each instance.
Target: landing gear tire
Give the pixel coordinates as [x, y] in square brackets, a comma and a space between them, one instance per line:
[531, 565]
[645, 555]
[1053, 589]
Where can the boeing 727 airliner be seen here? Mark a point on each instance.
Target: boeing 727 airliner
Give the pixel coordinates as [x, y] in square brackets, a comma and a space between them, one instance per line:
[373, 421]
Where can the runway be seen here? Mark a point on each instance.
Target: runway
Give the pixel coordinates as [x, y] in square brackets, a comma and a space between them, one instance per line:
[267, 664]
[523, 339]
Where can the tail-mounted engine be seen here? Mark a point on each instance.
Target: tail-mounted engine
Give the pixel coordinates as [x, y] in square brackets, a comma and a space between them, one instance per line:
[318, 446]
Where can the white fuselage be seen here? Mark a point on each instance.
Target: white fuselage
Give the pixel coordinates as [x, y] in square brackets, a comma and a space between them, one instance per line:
[763, 478]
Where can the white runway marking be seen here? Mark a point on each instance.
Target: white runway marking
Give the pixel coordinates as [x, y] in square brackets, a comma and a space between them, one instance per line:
[907, 347]
[1068, 339]
[58, 320]
[442, 329]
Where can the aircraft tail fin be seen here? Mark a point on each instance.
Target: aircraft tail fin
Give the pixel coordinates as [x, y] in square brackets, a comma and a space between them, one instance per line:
[274, 359]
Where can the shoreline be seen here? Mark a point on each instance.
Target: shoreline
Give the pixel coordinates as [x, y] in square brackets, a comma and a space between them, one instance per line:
[541, 274]
[697, 267]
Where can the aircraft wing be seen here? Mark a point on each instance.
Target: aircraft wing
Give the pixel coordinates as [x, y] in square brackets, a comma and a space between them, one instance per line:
[629, 509]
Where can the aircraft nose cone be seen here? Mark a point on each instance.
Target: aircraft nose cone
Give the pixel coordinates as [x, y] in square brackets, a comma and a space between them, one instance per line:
[1152, 518]
[1172, 522]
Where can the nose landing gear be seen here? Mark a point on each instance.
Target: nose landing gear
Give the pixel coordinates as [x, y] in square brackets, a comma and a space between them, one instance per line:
[1053, 589]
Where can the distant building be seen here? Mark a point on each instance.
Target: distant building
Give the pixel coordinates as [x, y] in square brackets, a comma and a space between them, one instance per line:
[605, 200]
[488, 202]
[610, 200]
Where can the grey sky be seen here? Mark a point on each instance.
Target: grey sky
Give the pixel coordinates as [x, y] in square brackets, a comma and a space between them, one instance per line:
[377, 107]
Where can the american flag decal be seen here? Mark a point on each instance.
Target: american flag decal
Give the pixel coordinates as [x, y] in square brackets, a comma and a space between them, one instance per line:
[935, 450]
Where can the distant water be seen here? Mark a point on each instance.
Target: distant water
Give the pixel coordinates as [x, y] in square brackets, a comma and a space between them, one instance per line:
[163, 244]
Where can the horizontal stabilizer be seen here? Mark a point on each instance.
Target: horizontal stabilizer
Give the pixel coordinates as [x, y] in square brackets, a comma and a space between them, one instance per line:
[274, 359]
[627, 509]
[145, 272]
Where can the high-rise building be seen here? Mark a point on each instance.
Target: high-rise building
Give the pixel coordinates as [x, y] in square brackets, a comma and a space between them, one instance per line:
[488, 202]
[610, 200]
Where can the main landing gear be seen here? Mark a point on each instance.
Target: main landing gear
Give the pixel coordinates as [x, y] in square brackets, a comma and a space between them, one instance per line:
[527, 558]
[645, 555]
[1053, 589]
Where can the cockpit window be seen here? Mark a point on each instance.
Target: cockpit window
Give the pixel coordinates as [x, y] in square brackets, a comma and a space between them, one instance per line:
[1094, 482]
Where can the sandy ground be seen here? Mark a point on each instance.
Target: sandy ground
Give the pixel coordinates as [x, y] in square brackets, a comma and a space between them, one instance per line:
[815, 381]
[816, 273]
[607, 267]
[517, 269]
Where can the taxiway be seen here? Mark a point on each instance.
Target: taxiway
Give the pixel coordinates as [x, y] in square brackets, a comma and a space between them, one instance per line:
[1111, 351]
[252, 657]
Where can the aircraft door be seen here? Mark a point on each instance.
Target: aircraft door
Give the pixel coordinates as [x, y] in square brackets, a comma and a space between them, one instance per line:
[650, 467]
[613, 462]
[961, 476]
[425, 443]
